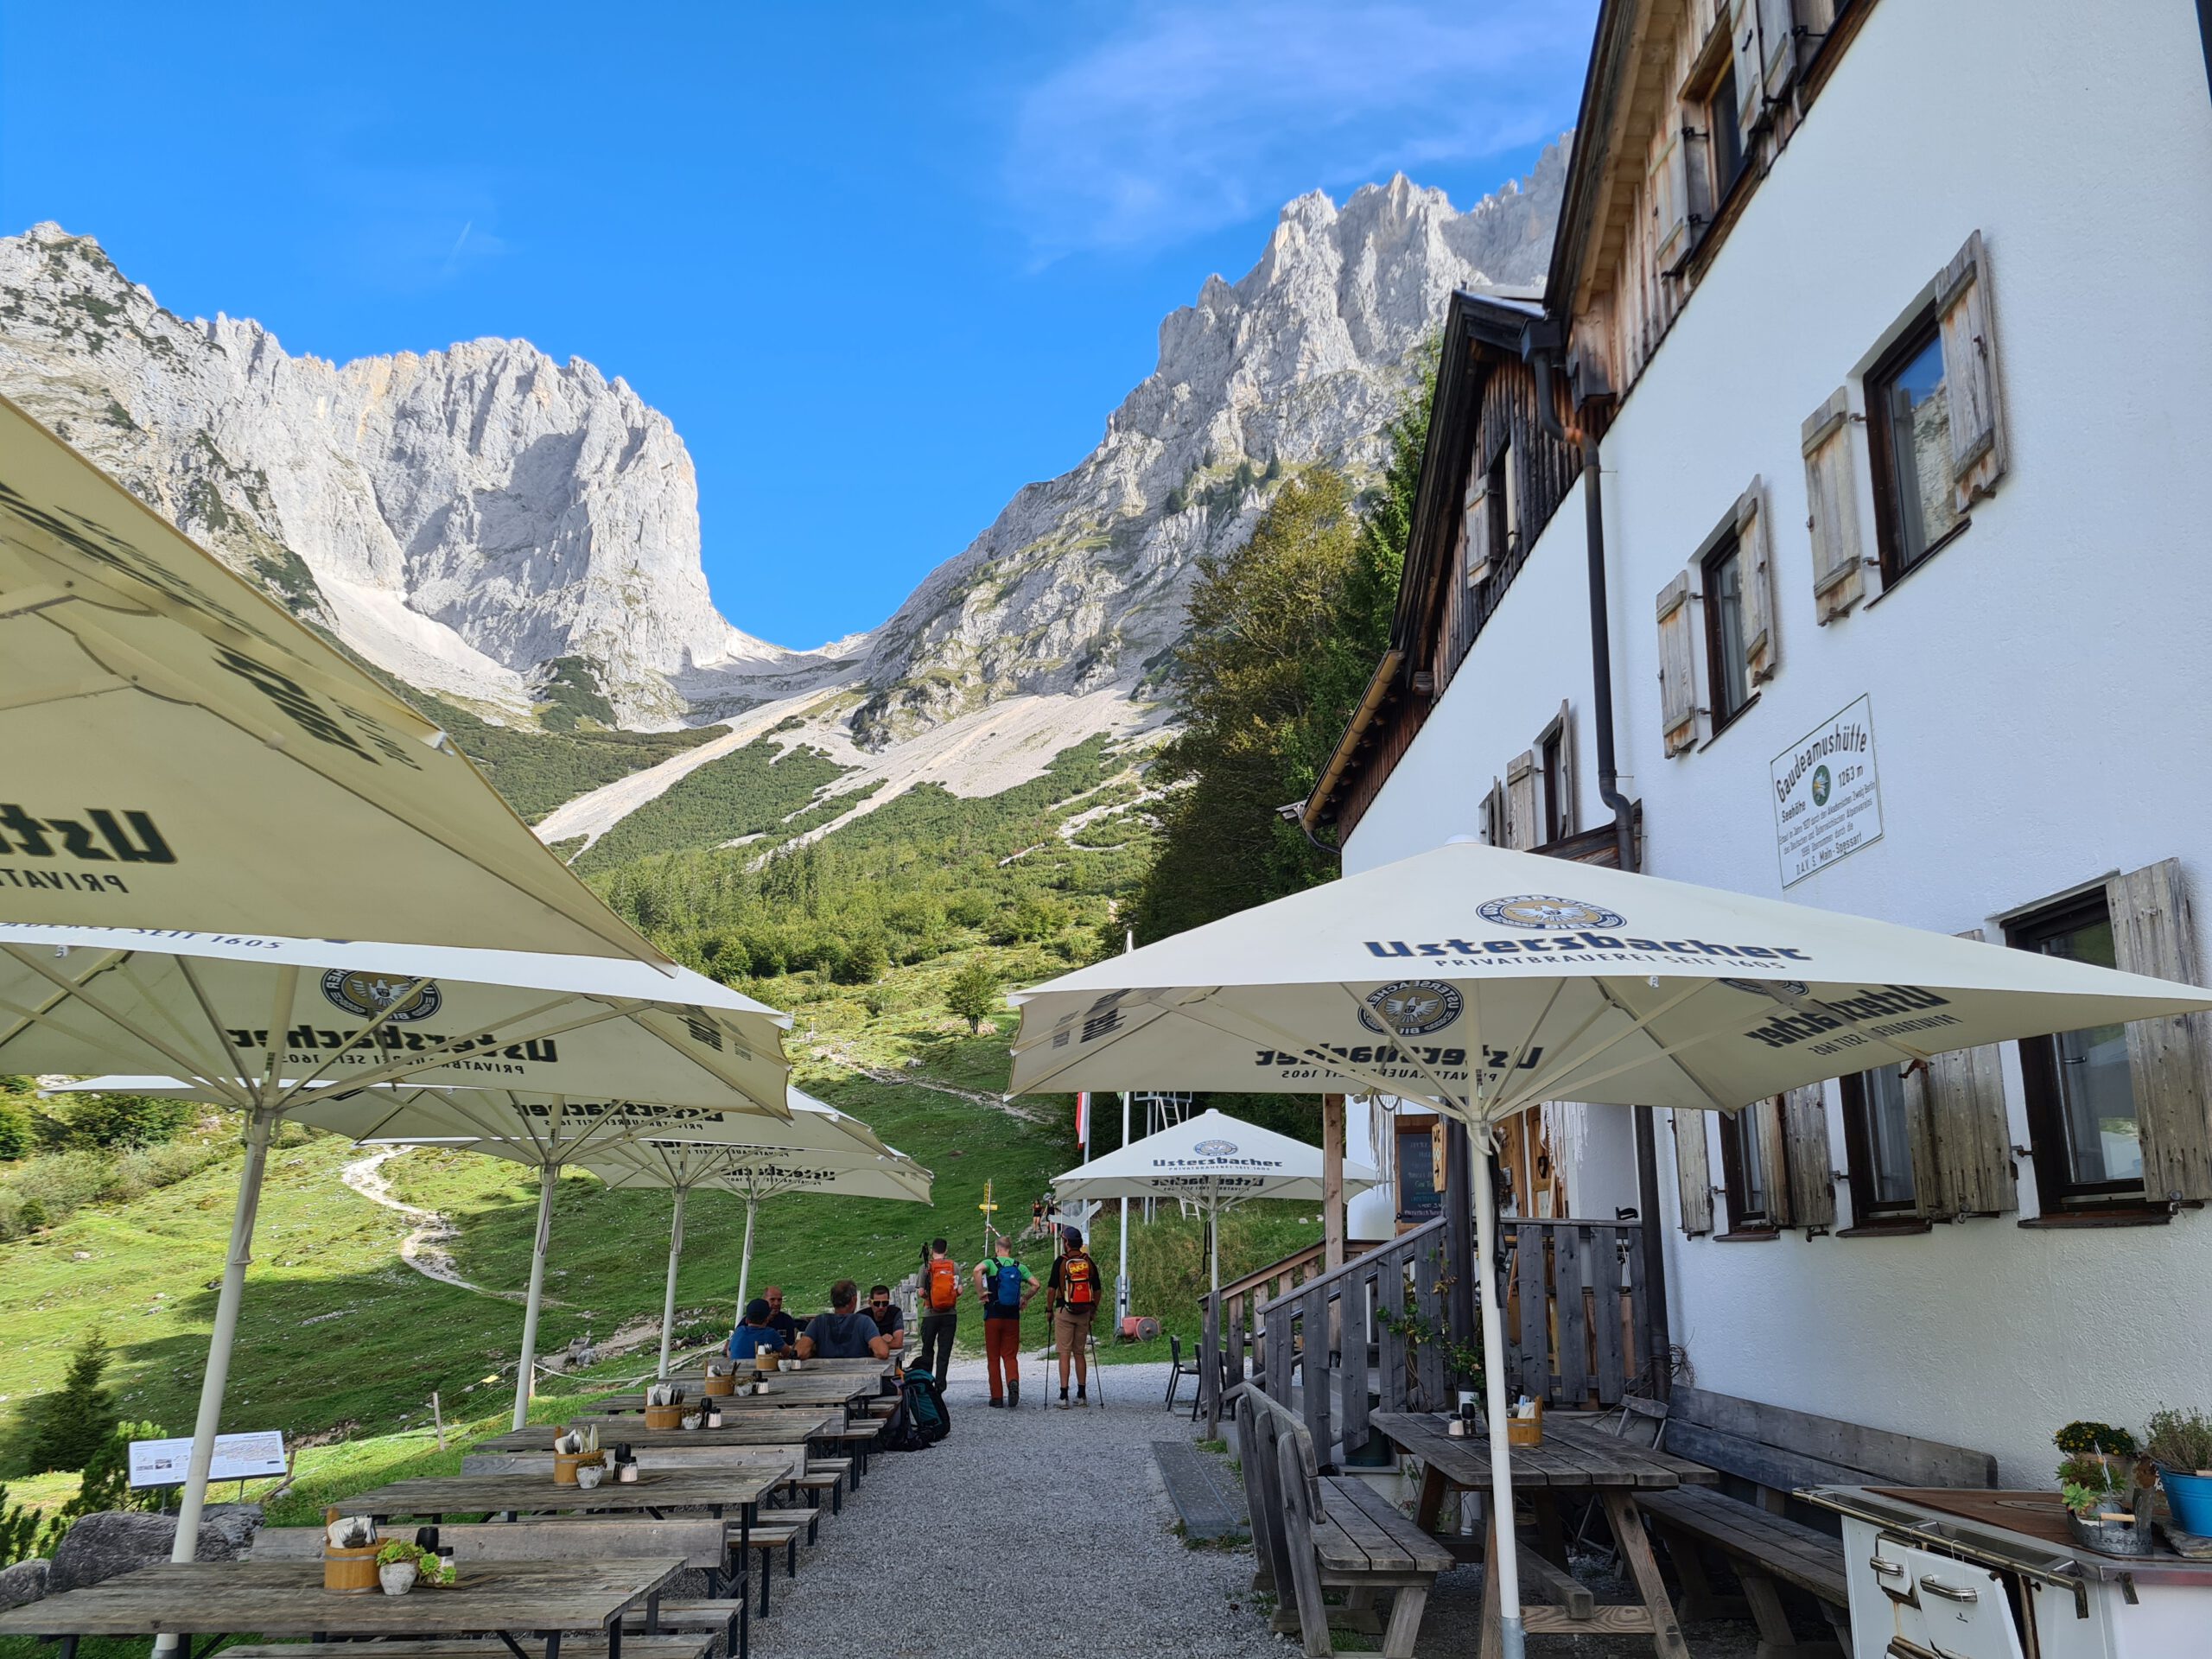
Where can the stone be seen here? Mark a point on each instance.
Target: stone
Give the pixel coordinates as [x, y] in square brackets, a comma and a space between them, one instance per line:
[114, 1541]
[238, 1523]
[25, 1581]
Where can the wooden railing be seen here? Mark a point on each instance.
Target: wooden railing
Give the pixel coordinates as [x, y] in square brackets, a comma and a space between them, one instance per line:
[1231, 1321]
[1369, 1334]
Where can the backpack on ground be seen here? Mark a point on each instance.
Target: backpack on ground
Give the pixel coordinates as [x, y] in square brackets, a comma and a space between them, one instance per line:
[922, 1400]
[943, 1284]
[1079, 1281]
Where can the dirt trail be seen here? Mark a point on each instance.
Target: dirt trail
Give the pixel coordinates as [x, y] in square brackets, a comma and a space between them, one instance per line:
[891, 1074]
[424, 1249]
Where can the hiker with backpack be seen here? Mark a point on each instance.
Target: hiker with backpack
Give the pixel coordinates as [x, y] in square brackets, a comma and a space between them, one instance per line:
[1074, 1287]
[1004, 1286]
[940, 1293]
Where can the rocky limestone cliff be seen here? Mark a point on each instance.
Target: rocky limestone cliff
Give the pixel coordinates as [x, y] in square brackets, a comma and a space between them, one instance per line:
[466, 518]
[1081, 580]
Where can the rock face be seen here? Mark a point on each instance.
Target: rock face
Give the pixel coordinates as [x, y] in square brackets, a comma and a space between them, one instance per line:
[104, 1546]
[463, 518]
[24, 1582]
[1081, 582]
[483, 519]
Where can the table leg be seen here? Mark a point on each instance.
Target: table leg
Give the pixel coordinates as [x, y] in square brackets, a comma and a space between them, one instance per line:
[1635, 1550]
[1493, 1632]
[1431, 1498]
[1551, 1535]
[747, 1514]
[68, 1648]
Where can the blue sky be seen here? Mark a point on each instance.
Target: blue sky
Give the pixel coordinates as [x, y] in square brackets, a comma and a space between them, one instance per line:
[880, 264]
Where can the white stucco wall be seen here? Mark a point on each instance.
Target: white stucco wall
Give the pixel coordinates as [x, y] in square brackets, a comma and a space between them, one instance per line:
[2040, 689]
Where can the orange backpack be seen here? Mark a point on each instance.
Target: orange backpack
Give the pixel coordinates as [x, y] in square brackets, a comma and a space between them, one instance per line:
[1079, 1281]
[944, 1282]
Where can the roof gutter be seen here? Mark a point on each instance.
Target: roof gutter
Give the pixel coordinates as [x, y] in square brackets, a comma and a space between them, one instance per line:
[1378, 687]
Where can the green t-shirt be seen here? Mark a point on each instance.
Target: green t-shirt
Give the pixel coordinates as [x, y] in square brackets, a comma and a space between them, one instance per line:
[992, 1308]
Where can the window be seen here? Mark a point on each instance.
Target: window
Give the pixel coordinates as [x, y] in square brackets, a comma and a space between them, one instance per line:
[1909, 434]
[1725, 666]
[2083, 1119]
[1556, 754]
[1727, 136]
[1744, 1169]
[1878, 1146]
[1504, 507]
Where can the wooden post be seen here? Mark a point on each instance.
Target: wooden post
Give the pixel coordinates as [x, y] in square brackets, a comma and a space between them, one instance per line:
[1332, 1180]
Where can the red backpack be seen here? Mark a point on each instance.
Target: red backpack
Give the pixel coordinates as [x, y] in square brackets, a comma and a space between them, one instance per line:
[1079, 1281]
[945, 1283]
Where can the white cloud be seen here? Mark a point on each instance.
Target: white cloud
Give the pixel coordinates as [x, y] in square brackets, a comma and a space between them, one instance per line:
[1194, 115]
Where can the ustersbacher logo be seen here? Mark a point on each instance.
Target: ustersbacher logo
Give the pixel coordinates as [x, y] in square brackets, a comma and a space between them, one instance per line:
[1411, 1007]
[1546, 910]
[1889, 1011]
[1587, 944]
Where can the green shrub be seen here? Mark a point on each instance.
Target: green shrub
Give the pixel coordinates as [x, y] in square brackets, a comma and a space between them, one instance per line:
[26, 1535]
[106, 1481]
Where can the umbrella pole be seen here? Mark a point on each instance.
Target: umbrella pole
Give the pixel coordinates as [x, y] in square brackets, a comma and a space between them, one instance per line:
[548, 1176]
[668, 1301]
[1502, 1559]
[745, 1257]
[259, 1127]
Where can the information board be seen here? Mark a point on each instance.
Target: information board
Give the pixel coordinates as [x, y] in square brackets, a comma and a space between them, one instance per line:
[1827, 796]
[238, 1457]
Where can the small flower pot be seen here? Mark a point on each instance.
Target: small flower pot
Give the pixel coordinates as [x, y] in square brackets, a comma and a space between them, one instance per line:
[691, 1419]
[2190, 1496]
[568, 1466]
[2112, 1537]
[588, 1475]
[398, 1577]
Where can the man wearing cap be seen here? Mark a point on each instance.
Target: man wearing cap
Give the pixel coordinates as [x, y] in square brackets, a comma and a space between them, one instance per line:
[754, 1334]
[1074, 1287]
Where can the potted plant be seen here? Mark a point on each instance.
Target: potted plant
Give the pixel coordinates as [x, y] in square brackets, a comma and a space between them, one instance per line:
[2104, 1492]
[399, 1563]
[572, 1452]
[2180, 1443]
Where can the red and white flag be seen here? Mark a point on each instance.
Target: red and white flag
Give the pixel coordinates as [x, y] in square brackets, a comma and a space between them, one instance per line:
[1082, 1119]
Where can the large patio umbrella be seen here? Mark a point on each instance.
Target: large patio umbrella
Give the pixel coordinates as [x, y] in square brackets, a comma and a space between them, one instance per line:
[1213, 1162]
[260, 1021]
[181, 752]
[828, 1152]
[1483, 980]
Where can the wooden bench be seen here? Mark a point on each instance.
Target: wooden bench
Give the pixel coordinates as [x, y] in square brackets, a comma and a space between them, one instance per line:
[1318, 1535]
[692, 1646]
[708, 1545]
[1766, 1453]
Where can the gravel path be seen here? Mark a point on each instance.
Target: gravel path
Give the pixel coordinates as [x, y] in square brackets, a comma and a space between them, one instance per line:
[1024, 1535]
[1037, 1533]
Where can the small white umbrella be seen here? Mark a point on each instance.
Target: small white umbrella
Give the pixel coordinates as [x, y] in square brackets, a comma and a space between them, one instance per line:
[861, 1167]
[182, 752]
[1485, 981]
[1214, 1162]
[260, 1021]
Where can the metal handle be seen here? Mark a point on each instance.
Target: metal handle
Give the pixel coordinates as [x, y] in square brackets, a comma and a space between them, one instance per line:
[1948, 1591]
[1888, 1569]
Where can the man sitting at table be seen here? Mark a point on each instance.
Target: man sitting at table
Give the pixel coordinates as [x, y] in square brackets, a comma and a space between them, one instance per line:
[754, 1334]
[779, 1320]
[844, 1332]
[888, 1318]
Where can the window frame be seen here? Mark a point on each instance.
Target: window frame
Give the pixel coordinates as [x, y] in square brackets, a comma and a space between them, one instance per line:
[1867, 1210]
[1923, 328]
[1551, 769]
[1726, 545]
[1404, 1124]
[1744, 1222]
[2056, 1191]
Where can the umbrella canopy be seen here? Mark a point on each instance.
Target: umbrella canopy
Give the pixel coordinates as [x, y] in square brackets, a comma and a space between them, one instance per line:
[182, 754]
[1483, 980]
[824, 1150]
[1214, 1161]
[260, 1021]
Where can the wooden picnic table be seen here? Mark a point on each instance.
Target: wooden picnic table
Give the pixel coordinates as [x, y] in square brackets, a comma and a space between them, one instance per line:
[1577, 1459]
[758, 1429]
[430, 1497]
[540, 1598]
[870, 1367]
[786, 1389]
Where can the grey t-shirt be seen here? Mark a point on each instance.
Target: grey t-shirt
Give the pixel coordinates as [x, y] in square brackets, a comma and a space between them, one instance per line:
[843, 1336]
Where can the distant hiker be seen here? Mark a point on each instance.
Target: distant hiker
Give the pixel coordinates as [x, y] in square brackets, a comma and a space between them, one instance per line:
[754, 1335]
[940, 1293]
[783, 1322]
[844, 1332]
[1004, 1286]
[888, 1318]
[1074, 1287]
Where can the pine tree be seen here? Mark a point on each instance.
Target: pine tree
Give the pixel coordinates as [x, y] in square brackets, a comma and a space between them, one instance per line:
[69, 1425]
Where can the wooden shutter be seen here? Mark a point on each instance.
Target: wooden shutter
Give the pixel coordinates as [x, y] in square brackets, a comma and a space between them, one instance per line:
[1832, 496]
[1570, 819]
[1969, 327]
[1743, 42]
[1494, 826]
[2154, 933]
[1778, 45]
[1961, 1095]
[1668, 187]
[1475, 528]
[1694, 1173]
[1806, 1156]
[1520, 819]
[1754, 559]
[1677, 679]
[1764, 1119]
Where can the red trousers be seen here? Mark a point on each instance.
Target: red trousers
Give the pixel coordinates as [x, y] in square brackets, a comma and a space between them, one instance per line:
[1002, 1354]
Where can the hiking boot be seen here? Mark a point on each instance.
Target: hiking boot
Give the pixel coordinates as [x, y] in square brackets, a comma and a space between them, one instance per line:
[1014, 1395]
[1082, 1397]
[998, 1402]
